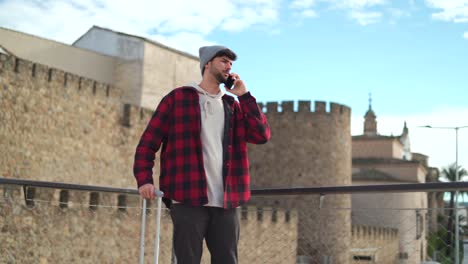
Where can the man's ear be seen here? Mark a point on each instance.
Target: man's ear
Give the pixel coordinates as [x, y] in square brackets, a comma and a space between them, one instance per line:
[207, 65]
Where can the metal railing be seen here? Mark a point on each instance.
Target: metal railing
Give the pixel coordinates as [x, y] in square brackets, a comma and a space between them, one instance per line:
[90, 188]
[287, 228]
[389, 188]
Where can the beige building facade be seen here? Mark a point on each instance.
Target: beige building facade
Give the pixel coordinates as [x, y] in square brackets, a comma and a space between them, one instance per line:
[146, 70]
[58, 55]
[379, 159]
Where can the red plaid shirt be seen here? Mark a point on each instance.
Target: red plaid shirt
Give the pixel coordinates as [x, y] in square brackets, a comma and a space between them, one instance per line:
[176, 125]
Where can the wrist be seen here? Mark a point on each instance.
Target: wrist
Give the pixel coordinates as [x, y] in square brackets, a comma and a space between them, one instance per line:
[244, 96]
[242, 93]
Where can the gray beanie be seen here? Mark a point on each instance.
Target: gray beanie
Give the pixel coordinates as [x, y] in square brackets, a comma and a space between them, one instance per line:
[207, 53]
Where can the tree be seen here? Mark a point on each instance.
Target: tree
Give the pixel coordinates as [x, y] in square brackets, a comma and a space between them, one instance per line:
[449, 173]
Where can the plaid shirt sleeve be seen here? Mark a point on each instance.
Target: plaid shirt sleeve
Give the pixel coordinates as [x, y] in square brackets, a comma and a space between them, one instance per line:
[150, 142]
[257, 128]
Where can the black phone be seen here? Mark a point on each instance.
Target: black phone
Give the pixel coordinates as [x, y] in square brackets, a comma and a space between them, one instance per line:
[229, 82]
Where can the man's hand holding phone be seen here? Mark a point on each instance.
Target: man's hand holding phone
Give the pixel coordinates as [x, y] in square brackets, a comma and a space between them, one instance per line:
[235, 85]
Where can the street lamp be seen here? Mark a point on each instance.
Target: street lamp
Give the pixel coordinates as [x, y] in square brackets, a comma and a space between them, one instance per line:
[457, 233]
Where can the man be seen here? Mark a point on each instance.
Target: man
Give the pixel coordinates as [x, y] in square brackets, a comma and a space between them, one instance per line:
[203, 135]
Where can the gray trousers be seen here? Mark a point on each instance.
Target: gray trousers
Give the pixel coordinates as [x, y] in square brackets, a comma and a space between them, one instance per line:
[219, 227]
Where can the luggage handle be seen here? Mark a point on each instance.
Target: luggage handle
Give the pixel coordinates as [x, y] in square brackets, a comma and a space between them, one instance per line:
[159, 196]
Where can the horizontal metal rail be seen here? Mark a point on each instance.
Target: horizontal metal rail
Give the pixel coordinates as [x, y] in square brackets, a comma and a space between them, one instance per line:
[69, 186]
[389, 188]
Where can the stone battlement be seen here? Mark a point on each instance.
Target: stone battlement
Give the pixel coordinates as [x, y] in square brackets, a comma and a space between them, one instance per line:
[133, 114]
[320, 107]
[44, 73]
[373, 233]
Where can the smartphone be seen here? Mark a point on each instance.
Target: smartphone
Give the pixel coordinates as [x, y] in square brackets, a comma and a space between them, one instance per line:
[229, 82]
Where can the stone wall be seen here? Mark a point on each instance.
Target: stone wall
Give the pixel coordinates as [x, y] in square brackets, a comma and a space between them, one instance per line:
[377, 147]
[374, 245]
[309, 149]
[61, 127]
[398, 211]
[163, 70]
[45, 231]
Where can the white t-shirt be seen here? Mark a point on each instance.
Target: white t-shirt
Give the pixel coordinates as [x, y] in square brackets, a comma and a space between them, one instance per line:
[212, 129]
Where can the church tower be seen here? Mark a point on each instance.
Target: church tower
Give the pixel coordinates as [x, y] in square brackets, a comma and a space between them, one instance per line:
[370, 123]
[404, 139]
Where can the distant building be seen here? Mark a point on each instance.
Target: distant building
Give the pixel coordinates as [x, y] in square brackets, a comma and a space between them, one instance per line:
[380, 159]
[143, 69]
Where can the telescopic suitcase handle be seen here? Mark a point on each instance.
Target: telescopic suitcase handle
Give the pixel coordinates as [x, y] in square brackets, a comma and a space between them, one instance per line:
[159, 196]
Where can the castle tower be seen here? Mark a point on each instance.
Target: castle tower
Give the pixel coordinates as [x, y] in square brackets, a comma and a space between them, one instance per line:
[308, 149]
[370, 123]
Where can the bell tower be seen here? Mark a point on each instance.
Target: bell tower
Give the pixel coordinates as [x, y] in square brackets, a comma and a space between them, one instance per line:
[370, 123]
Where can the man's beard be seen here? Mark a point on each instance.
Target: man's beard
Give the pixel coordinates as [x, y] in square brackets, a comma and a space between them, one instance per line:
[220, 77]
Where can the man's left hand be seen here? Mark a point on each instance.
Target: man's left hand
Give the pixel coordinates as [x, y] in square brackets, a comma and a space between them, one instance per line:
[239, 88]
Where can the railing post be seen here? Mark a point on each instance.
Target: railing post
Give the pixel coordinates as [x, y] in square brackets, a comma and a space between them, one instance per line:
[327, 260]
[158, 224]
[142, 235]
[158, 194]
[321, 199]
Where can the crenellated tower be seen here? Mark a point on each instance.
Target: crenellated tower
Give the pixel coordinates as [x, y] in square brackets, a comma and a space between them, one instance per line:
[309, 148]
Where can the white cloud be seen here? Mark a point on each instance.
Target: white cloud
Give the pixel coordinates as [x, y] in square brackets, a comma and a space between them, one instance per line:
[248, 16]
[452, 11]
[438, 144]
[397, 14]
[365, 18]
[188, 42]
[465, 35]
[359, 10]
[302, 4]
[309, 13]
[170, 21]
[304, 8]
[358, 4]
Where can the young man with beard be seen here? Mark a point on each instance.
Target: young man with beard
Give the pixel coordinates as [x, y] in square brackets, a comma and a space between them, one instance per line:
[203, 134]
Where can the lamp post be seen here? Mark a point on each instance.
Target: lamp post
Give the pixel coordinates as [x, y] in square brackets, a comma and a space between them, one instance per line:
[457, 231]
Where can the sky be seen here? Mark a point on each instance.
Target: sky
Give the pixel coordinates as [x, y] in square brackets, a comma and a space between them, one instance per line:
[411, 56]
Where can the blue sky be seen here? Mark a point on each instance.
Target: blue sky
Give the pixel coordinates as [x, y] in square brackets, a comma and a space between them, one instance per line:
[411, 55]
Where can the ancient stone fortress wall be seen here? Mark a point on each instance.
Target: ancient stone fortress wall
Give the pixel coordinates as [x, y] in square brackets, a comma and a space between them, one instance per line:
[374, 244]
[309, 148]
[61, 127]
[105, 228]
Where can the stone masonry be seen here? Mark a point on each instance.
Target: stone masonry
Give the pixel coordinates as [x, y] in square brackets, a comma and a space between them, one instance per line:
[309, 149]
[61, 127]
